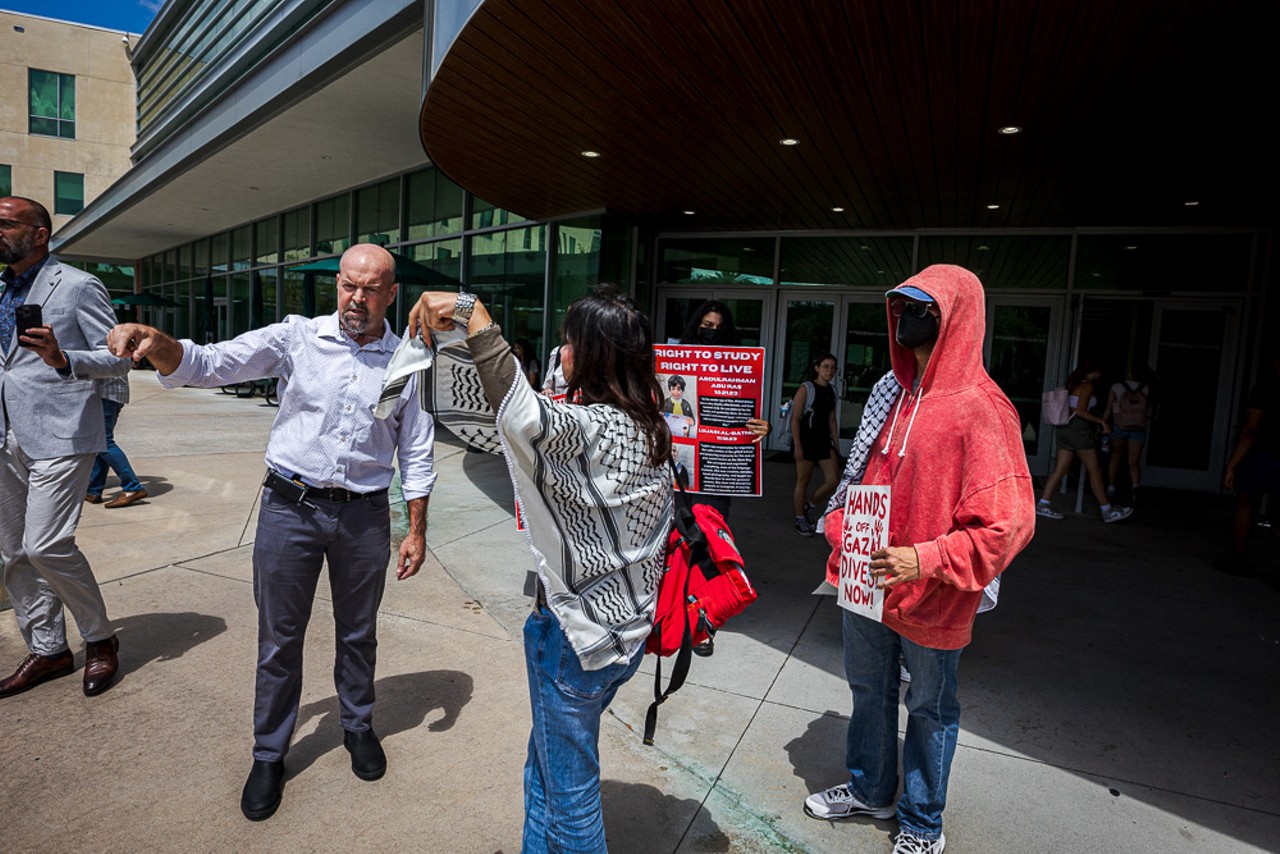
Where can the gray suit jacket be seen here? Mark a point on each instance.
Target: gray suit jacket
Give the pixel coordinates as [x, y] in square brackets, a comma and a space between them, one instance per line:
[52, 415]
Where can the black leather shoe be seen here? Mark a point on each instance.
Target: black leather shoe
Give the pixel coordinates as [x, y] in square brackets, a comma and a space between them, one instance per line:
[368, 762]
[261, 795]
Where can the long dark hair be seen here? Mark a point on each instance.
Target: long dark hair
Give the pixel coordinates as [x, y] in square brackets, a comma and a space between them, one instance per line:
[811, 372]
[1077, 376]
[728, 333]
[612, 343]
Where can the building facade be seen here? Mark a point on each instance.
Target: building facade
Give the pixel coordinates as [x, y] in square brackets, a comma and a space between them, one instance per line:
[526, 154]
[68, 124]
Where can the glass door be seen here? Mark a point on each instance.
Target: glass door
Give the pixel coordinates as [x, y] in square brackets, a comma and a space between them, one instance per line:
[863, 356]
[1022, 352]
[1193, 346]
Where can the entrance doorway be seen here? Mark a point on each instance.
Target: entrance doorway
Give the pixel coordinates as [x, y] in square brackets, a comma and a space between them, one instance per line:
[1190, 346]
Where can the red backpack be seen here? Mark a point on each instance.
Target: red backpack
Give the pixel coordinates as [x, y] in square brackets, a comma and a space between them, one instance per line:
[701, 587]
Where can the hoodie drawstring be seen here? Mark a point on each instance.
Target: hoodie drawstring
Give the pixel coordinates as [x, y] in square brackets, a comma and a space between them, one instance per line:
[911, 423]
[893, 426]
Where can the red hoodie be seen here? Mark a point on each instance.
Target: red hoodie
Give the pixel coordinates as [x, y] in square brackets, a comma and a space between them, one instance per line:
[952, 451]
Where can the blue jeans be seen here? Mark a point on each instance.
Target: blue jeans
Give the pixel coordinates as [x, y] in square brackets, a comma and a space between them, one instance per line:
[112, 456]
[562, 774]
[933, 723]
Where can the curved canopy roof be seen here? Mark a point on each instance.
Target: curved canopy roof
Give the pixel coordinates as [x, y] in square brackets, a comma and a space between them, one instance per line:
[1128, 112]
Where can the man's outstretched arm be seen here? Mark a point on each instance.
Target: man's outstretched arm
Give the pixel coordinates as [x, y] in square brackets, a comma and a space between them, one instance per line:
[136, 341]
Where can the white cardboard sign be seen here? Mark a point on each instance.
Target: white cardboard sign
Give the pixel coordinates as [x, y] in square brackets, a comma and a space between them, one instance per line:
[866, 530]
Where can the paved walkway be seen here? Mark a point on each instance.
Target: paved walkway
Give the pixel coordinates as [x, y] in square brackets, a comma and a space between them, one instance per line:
[1122, 697]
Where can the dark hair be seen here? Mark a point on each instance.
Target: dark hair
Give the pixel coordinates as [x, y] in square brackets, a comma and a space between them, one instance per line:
[811, 372]
[527, 349]
[1086, 367]
[675, 380]
[612, 342]
[728, 333]
[40, 211]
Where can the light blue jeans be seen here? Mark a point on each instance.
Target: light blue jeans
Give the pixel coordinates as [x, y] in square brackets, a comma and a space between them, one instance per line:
[933, 723]
[112, 456]
[562, 774]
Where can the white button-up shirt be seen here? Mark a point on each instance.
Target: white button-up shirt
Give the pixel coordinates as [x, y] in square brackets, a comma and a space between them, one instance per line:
[325, 433]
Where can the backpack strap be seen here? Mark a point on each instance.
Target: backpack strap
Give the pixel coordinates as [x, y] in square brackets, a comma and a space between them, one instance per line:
[686, 523]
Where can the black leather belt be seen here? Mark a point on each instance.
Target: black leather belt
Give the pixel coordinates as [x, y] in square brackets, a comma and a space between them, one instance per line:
[340, 496]
[294, 491]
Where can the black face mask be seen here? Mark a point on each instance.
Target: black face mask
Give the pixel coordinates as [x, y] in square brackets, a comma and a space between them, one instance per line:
[915, 331]
[708, 335]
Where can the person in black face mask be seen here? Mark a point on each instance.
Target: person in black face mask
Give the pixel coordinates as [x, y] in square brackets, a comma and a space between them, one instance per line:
[712, 325]
[917, 318]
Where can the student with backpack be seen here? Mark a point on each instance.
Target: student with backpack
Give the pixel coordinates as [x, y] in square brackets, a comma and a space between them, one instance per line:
[1129, 411]
[1075, 439]
[813, 440]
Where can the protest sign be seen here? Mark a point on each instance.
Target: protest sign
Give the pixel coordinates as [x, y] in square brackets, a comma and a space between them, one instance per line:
[866, 530]
[710, 393]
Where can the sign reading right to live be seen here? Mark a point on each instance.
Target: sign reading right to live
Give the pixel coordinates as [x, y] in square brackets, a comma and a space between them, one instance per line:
[866, 531]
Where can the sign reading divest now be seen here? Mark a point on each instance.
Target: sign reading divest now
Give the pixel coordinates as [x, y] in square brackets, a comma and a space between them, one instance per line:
[866, 531]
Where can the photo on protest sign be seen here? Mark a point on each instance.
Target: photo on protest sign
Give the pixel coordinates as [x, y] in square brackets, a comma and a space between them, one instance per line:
[709, 394]
[866, 531]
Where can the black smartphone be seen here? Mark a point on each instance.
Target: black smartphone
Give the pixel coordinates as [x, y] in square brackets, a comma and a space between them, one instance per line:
[26, 316]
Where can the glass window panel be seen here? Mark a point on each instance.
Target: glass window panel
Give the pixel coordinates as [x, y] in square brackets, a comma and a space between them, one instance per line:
[6, 180]
[577, 266]
[864, 360]
[434, 205]
[333, 225]
[1019, 348]
[876, 261]
[240, 295]
[326, 294]
[443, 256]
[718, 261]
[511, 280]
[1189, 349]
[1164, 262]
[242, 247]
[297, 235]
[44, 127]
[68, 193]
[181, 315]
[292, 301]
[220, 252]
[263, 297]
[200, 259]
[266, 240]
[66, 97]
[184, 263]
[1038, 262]
[51, 99]
[485, 215]
[378, 213]
[809, 325]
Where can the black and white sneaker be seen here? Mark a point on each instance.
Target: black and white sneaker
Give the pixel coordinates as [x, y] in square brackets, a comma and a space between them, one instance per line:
[838, 803]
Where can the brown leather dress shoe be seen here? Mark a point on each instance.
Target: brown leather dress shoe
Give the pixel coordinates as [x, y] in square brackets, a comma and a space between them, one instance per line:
[35, 669]
[92, 499]
[101, 662]
[124, 499]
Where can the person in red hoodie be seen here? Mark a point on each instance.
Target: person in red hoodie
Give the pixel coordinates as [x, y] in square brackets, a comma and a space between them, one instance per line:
[948, 442]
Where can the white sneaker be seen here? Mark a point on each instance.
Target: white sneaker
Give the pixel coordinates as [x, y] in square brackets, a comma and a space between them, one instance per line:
[804, 527]
[1117, 514]
[1047, 512]
[838, 802]
[907, 843]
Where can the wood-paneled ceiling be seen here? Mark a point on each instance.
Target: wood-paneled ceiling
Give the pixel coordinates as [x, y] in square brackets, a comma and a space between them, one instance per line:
[1129, 111]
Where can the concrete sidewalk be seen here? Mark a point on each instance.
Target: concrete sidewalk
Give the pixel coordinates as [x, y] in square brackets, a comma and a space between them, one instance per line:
[1122, 697]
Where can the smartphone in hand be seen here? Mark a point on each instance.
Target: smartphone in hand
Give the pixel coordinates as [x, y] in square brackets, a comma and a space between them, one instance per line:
[26, 316]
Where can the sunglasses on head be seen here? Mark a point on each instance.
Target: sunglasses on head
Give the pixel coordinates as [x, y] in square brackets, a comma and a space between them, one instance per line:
[915, 309]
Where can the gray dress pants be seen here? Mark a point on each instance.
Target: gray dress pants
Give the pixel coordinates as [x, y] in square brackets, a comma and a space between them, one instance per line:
[44, 569]
[293, 542]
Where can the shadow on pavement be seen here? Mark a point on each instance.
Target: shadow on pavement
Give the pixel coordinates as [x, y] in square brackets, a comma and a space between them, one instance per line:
[627, 803]
[145, 638]
[404, 702]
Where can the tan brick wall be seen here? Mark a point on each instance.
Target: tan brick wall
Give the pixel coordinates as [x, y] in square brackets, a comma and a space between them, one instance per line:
[105, 103]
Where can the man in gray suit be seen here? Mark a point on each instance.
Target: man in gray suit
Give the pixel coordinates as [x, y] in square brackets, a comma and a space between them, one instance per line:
[52, 429]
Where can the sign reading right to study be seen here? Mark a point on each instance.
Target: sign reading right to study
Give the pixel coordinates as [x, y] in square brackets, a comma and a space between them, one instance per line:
[866, 531]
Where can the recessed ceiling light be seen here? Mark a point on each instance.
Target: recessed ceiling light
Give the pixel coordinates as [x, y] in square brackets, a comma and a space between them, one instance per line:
[1191, 204]
[838, 209]
[1010, 130]
[590, 154]
[789, 141]
[992, 207]
[1097, 275]
[688, 213]
[1131, 247]
[984, 248]
[865, 248]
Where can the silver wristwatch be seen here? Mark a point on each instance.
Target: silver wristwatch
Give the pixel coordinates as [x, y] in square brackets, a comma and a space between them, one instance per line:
[463, 307]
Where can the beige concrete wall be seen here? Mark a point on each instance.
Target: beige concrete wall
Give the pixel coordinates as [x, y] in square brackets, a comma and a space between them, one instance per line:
[105, 104]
